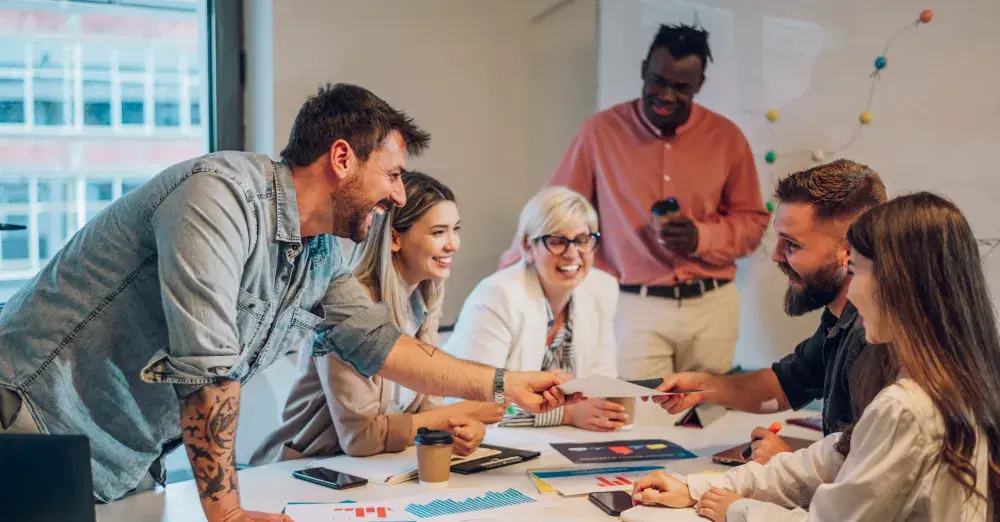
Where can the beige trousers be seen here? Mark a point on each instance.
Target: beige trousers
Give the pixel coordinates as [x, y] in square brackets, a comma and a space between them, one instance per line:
[658, 337]
[14, 415]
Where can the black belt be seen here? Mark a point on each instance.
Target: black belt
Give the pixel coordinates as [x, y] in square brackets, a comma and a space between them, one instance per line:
[682, 291]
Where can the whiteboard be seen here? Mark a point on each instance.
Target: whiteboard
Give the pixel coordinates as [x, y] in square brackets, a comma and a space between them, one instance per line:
[935, 112]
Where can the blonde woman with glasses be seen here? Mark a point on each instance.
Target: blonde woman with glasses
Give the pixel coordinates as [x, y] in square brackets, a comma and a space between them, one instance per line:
[550, 311]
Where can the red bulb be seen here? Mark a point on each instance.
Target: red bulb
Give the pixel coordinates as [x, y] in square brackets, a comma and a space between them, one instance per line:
[926, 16]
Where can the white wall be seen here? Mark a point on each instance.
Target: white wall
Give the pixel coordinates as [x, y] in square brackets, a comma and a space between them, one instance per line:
[500, 89]
[936, 112]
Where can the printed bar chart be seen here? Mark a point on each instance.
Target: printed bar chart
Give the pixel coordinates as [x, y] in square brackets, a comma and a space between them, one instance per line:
[309, 511]
[372, 513]
[604, 482]
[491, 500]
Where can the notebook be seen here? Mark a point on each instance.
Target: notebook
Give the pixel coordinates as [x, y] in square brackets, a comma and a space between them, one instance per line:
[390, 468]
[506, 457]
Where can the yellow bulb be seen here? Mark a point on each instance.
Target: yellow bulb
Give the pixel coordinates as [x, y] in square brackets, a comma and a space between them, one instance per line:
[771, 115]
[866, 117]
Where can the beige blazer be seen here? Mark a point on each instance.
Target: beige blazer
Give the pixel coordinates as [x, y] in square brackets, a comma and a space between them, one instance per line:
[333, 409]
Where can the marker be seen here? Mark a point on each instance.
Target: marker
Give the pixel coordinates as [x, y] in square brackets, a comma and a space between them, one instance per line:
[774, 428]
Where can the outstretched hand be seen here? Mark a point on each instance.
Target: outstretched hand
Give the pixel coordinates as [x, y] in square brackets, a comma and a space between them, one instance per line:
[538, 392]
[682, 382]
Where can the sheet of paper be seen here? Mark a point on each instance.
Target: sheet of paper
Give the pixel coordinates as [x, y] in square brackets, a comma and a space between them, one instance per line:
[622, 451]
[543, 487]
[389, 468]
[575, 481]
[603, 386]
[346, 512]
[456, 505]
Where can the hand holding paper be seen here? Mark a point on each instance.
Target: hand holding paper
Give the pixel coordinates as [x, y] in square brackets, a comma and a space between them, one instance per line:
[603, 386]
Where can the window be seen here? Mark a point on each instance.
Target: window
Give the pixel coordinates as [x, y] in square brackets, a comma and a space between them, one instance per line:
[11, 101]
[97, 103]
[95, 98]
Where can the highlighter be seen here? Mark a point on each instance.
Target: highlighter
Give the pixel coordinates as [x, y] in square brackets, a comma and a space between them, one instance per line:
[774, 428]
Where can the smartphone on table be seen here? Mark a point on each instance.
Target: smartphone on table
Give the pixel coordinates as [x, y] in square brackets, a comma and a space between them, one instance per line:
[329, 478]
[612, 502]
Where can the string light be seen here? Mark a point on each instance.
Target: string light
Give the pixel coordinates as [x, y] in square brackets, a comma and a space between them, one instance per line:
[772, 155]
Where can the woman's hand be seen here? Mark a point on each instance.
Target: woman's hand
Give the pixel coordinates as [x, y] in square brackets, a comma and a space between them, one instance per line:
[715, 504]
[596, 415]
[484, 412]
[468, 434]
[659, 487]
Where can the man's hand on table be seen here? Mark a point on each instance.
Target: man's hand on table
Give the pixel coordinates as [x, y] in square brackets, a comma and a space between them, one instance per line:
[538, 392]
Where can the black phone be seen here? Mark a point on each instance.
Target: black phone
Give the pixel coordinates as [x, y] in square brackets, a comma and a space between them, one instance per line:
[612, 502]
[329, 478]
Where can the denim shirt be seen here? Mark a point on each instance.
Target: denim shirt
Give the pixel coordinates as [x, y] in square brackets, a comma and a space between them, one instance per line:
[199, 275]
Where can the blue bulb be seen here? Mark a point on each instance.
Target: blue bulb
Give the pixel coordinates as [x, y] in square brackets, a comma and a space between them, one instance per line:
[880, 62]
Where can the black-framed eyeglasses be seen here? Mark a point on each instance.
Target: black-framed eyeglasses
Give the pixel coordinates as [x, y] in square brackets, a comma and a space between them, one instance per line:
[557, 245]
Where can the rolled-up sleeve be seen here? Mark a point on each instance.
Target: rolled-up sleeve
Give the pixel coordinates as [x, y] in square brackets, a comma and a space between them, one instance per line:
[356, 329]
[202, 243]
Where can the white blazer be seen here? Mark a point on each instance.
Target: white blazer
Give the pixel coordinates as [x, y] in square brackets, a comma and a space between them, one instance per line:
[503, 322]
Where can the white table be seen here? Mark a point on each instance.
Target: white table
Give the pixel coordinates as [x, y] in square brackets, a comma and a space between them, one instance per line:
[269, 488]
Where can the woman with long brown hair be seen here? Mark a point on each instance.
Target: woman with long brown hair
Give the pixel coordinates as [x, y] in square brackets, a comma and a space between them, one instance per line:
[334, 409]
[927, 446]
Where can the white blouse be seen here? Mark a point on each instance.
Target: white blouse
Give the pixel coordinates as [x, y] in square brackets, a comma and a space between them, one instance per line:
[892, 472]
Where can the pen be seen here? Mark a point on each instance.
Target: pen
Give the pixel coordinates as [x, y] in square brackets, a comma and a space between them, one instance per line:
[497, 462]
[774, 428]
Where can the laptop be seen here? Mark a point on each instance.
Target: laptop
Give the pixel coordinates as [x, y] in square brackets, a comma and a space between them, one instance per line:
[734, 456]
[45, 478]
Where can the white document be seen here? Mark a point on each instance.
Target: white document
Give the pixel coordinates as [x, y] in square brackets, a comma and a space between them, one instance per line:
[389, 468]
[570, 482]
[322, 512]
[602, 386]
[456, 505]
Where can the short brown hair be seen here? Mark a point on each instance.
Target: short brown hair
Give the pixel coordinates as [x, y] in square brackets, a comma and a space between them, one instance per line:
[839, 189]
[354, 114]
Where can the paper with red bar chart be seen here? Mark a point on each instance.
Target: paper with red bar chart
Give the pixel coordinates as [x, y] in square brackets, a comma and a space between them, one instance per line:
[575, 481]
[345, 512]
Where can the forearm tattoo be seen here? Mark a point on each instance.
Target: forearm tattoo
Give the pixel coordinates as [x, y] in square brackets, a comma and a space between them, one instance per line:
[428, 349]
[209, 435]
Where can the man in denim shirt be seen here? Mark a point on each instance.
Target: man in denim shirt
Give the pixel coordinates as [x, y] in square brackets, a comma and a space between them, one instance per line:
[141, 331]
[816, 207]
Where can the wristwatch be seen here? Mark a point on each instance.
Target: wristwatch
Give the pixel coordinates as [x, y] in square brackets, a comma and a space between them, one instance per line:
[499, 378]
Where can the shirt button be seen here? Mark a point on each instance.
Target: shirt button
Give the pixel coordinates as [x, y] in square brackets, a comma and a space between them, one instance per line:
[667, 146]
[666, 178]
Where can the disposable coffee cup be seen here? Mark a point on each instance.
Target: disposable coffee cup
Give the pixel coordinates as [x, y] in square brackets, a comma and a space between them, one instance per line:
[629, 404]
[433, 456]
